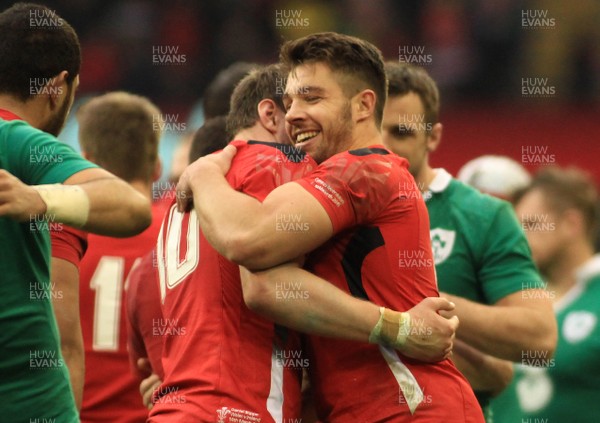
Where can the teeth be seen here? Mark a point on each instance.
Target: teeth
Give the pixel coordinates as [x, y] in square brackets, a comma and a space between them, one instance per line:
[306, 135]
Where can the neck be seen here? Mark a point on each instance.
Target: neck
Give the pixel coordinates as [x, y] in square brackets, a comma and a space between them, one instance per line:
[256, 132]
[424, 176]
[560, 275]
[29, 111]
[364, 135]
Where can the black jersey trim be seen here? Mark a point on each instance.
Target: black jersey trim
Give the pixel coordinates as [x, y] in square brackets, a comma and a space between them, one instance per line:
[367, 151]
[364, 240]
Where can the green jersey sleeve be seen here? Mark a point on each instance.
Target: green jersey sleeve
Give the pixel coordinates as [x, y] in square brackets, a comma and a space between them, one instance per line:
[505, 265]
[36, 157]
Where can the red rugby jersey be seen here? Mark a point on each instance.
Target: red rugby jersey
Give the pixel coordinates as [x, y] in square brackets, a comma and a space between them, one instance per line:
[380, 252]
[223, 362]
[144, 314]
[111, 392]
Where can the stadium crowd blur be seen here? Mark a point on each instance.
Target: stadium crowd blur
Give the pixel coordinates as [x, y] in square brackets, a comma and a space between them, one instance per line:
[479, 52]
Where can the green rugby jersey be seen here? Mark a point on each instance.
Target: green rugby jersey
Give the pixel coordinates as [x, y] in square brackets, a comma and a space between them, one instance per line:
[565, 388]
[34, 380]
[480, 250]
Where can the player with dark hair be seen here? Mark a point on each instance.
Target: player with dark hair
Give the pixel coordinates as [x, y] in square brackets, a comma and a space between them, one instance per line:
[352, 204]
[117, 132]
[38, 78]
[218, 93]
[483, 262]
[210, 137]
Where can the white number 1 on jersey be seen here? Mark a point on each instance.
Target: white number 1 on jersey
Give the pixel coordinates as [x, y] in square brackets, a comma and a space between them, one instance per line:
[107, 281]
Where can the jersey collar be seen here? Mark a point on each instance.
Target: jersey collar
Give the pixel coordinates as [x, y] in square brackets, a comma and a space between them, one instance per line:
[583, 275]
[590, 269]
[440, 182]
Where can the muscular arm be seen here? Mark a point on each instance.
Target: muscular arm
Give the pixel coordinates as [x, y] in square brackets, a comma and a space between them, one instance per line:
[484, 372]
[115, 208]
[518, 323]
[65, 302]
[300, 300]
[245, 230]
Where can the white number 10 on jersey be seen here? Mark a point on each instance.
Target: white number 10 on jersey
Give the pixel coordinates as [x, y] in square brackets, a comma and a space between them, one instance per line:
[172, 269]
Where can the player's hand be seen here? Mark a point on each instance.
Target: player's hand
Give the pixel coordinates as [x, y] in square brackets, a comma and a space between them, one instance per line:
[147, 388]
[218, 162]
[18, 200]
[431, 336]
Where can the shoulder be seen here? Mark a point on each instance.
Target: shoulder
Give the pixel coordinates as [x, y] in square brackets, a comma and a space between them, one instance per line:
[376, 164]
[473, 204]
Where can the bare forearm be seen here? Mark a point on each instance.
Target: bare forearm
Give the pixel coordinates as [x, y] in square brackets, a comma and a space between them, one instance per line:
[295, 298]
[221, 224]
[507, 332]
[288, 223]
[65, 302]
[116, 209]
[75, 361]
[484, 372]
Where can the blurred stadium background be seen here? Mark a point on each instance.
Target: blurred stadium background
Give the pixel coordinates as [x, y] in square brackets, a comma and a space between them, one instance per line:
[518, 77]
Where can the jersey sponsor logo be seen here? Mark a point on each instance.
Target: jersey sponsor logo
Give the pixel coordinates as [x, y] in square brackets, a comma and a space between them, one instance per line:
[226, 415]
[578, 325]
[442, 242]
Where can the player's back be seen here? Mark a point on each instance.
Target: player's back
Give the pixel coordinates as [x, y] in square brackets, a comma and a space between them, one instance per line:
[111, 392]
[380, 252]
[219, 358]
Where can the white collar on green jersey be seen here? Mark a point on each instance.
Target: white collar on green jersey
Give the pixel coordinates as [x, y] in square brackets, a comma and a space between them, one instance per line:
[590, 269]
[440, 182]
[582, 276]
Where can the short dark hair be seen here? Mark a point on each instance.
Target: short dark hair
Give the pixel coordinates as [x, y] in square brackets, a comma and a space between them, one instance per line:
[344, 54]
[35, 43]
[263, 83]
[404, 78]
[564, 189]
[211, 137]
[217, 94]
[121, 132]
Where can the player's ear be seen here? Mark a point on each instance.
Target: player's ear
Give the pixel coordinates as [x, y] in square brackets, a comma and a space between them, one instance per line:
[435, 137]
[56, 88]
[364, 104]
[267, 114]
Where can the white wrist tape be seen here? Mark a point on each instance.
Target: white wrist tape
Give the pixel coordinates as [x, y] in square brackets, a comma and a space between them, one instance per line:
[391, 329]
[67, 204]
[404, 330]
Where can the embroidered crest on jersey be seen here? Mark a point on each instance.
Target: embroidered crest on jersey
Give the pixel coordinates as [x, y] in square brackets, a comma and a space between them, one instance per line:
[578, 325]
[442, 242]
[222, 413]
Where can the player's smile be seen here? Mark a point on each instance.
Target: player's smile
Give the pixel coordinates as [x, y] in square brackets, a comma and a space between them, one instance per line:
[302, 137]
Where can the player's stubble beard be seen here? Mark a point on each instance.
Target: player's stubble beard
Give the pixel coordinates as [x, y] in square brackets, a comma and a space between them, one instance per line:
[57, 121]
[339, 136]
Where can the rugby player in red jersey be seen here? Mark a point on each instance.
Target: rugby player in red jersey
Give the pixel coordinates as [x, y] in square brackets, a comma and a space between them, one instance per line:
[217, 354]
[117, 132]
[144, 310]
[222, 361]
[362, 211]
